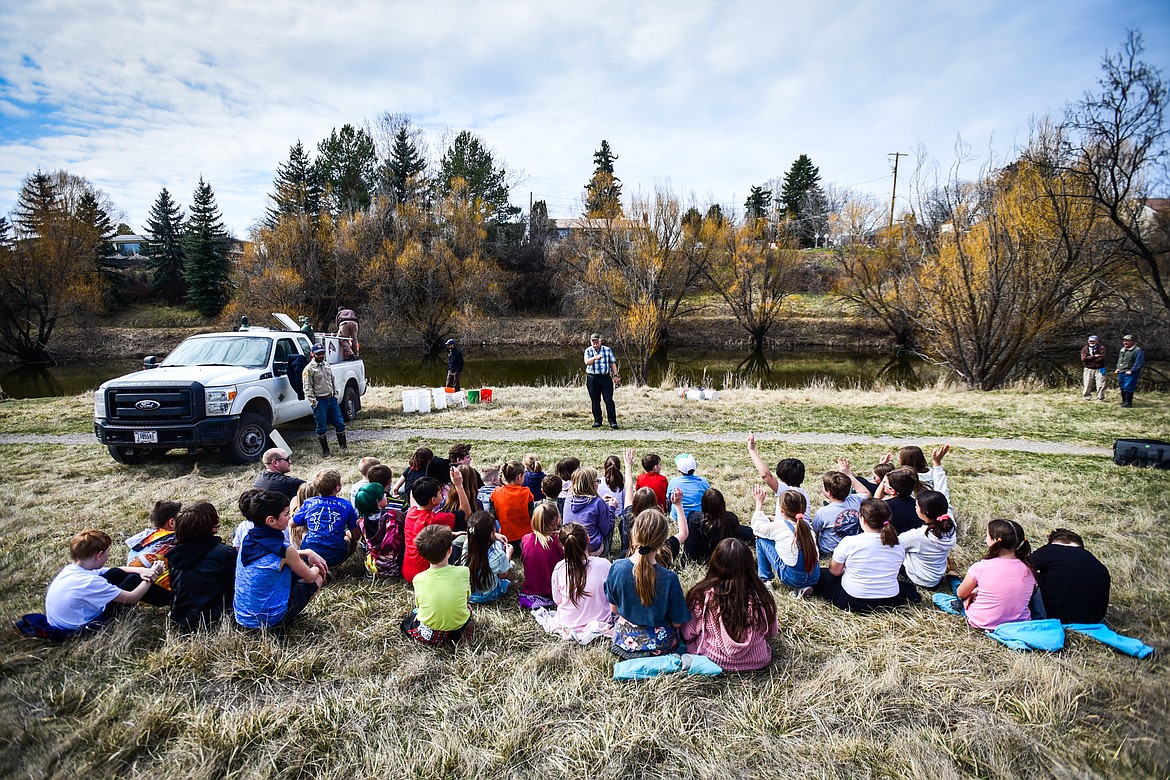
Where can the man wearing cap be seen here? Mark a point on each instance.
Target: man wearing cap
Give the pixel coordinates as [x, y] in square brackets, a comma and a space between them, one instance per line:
[454, 364]
[277, 465]
[1093, 359]
[1130, 361]
[318, 381]
[601, 375]
[691, 484]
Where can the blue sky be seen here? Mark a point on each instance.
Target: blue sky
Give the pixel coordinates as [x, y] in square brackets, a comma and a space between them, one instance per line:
[706, 98]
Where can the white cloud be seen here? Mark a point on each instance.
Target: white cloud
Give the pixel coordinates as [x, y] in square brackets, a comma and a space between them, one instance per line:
[713, 97]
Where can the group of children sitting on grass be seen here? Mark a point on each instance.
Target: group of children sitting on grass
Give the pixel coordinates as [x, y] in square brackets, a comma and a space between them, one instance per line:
[455, 536]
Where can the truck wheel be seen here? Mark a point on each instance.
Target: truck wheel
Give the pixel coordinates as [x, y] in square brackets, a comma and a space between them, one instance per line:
[250, 442]
[135, 456]
[350, 403]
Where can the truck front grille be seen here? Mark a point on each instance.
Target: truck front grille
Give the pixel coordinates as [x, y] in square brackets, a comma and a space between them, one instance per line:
[152, 405]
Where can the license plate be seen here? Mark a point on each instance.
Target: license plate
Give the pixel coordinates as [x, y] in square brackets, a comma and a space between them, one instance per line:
[146, 437]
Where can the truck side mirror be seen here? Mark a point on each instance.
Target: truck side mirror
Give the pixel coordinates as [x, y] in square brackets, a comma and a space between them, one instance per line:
[280, 367]
[149, 362]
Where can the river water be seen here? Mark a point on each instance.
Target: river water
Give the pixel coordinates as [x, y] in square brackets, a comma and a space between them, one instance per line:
[540, 367]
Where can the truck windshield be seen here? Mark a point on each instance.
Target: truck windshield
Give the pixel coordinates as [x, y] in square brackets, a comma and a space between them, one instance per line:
[245, 351]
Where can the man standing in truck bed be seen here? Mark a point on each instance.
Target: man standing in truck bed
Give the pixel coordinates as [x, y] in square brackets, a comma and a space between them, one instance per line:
[318, 381]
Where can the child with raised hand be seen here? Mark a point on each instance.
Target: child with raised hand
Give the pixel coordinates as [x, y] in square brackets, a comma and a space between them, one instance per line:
[588, 509]
[416, 468]
[912, 456]
[85, 593]
[785, 544]
[645, 595]
[487, 555]
[732, 614]
[274, 580]
[928, 547]
[540, 551]
[998, 588]
[578, 589]
[441, 591]
[203, 568]
[426, 495]
[863, 575]
[512, 503]
[789, 472]
[612, 486]
[473, 486]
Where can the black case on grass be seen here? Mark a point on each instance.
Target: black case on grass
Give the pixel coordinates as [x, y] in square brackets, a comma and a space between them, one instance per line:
[1142, 452]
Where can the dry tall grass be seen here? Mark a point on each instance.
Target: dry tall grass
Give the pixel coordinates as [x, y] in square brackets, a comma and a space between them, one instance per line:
[909, 694]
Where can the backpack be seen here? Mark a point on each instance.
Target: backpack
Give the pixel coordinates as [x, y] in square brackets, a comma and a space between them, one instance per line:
[848, 523]
[384, 540]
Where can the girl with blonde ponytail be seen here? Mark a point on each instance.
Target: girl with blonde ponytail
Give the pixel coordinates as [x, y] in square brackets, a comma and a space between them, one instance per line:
[645, 595]
[787, 544]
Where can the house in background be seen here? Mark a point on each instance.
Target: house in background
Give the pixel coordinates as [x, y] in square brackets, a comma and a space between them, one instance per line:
[128, 244]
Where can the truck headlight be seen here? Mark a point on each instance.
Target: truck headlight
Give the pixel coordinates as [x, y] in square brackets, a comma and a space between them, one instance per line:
[99, 404]
[218, 400]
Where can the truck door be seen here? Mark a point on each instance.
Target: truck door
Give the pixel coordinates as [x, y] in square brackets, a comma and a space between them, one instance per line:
[286, 405]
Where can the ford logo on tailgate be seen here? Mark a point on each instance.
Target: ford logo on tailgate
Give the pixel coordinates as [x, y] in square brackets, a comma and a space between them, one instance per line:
[148, 405]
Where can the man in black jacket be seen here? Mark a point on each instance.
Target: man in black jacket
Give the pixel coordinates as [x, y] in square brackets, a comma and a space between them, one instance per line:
[454, 364]
[277, 465]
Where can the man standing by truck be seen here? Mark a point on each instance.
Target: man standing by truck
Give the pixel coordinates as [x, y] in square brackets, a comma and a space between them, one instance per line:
[318, 381]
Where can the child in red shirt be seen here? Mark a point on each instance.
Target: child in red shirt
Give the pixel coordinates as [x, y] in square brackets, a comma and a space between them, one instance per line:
[653, 479]
[427, 494]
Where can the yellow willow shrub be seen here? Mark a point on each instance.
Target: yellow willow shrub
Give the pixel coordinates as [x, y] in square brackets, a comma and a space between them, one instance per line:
[640, 332]
[753, 272]
[1025, 260]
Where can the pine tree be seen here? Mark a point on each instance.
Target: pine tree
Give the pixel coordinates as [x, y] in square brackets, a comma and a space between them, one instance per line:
[468, 159]
[603, 196]
[37, 207]
[801, 177]
[296, 190]
[347, 169]
[405, 161]
[164, 249]
[208, 268]
[98, 230]
[755, 208]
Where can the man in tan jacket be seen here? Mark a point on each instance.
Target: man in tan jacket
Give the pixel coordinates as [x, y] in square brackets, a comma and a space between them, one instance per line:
[319, 387]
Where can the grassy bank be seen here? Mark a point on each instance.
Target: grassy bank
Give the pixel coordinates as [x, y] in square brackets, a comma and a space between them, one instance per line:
[910, 694]
[1042, 414]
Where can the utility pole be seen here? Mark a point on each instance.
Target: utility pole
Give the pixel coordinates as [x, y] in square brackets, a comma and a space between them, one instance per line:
[894, 192]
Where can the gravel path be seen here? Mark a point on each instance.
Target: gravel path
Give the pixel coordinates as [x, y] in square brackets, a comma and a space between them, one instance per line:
[357, 436]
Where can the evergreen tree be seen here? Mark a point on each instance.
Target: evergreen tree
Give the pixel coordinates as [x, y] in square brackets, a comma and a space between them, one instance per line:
[468, 159]
[164, 249]
[405, 161]
[98, 229]
[603, 193]
[801, 177]
[347, 169]
[37, 207]
[715, 214]
[208, 268]
[296, 190]
[756, 206]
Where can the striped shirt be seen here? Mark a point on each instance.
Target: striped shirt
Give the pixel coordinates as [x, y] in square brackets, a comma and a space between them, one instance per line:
[604, 364]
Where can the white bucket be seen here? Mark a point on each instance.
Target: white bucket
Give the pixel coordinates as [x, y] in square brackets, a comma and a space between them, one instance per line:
[694, 394]
[408, 402]
[423, 401]
[440, 396]
[710, 395]
[455, 399]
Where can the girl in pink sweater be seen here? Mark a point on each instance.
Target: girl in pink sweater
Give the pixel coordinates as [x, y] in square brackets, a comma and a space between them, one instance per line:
[998, 588]
[732, 613]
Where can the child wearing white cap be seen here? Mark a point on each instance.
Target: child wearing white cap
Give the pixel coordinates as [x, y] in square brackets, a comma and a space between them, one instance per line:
[692, 486]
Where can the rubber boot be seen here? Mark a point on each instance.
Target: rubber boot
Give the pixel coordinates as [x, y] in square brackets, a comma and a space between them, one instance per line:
[324, 445]
[341, 441]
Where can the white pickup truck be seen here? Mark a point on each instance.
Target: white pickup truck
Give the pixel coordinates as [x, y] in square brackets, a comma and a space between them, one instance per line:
[222, 390]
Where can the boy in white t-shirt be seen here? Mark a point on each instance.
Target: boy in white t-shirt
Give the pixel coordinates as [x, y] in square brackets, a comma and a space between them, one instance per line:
[83, 593]
[831, 524]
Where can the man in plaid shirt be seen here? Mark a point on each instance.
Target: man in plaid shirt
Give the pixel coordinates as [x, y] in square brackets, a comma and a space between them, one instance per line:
[601, 375]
